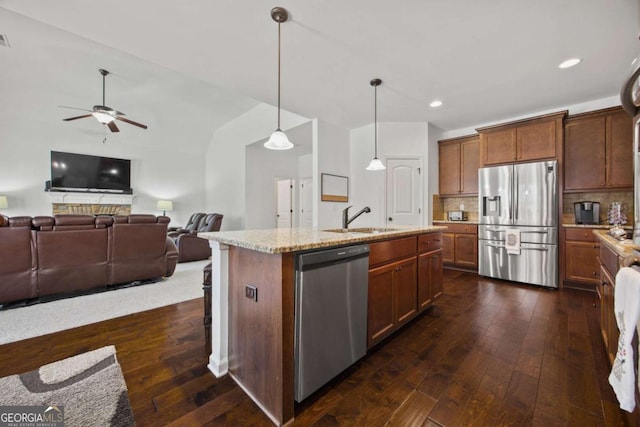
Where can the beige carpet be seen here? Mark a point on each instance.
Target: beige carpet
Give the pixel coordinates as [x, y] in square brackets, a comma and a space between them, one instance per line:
[40, 319]
[83, 390]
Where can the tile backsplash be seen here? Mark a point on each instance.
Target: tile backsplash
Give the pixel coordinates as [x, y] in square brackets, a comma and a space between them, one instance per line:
[604, 198]
[443, 204]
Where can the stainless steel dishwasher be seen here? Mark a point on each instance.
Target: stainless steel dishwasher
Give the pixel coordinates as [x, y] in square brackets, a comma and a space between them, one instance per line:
[330, 314]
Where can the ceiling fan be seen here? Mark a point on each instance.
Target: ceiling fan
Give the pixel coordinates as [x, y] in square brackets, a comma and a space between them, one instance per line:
[105, 115]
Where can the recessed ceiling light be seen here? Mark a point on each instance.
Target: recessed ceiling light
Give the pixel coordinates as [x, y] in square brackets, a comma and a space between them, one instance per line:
[570, 63]
[436, 103]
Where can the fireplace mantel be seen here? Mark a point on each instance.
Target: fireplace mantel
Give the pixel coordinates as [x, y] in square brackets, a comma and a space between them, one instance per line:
[86, 198]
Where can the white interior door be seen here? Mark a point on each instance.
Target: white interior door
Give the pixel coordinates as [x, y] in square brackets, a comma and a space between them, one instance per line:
[284, 203]
[404, 192]
[306, 202]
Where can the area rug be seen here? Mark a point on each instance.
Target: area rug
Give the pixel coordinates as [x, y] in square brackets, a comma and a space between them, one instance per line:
[40, 319]
[84, 390]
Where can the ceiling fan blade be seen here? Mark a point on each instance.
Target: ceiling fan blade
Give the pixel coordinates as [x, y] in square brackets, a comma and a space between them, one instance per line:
[131, 122]
[74, 108]
[77, 117]
[113, 127]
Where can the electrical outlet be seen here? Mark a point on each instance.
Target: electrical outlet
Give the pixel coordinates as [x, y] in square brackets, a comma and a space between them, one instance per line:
[461, 206]
[251, 292]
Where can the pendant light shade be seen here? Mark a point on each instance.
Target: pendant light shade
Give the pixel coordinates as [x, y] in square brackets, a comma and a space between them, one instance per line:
[376, 164]
[278, 139]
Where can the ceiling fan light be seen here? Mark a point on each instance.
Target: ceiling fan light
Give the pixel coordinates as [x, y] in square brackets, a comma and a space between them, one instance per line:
[278, 141]
[103, 118]
[376, 165]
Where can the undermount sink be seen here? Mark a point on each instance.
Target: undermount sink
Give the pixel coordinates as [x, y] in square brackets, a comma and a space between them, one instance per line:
[364, 230]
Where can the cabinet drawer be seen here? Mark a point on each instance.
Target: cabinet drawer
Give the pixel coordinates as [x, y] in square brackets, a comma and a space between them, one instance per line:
[462, 228]
[429, 242]
[389, 250]
[609, 260]
[580, 234]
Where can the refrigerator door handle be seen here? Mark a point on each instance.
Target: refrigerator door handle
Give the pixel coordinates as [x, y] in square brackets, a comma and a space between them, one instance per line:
[535, 232]
[516, 195]
[512, 194]
[542, 249]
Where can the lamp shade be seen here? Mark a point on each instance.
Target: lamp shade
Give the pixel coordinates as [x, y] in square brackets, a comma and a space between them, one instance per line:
[164, 205]
[278, 141]
[376, 165]
[3, 202]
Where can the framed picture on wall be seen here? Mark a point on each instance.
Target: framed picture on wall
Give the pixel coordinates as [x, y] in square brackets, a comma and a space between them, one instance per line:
[334, 188]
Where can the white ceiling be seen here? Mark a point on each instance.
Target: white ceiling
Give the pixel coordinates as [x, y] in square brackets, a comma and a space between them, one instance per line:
[487, 60]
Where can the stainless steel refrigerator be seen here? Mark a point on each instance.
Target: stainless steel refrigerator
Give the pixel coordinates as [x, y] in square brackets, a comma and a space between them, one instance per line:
[518, 223]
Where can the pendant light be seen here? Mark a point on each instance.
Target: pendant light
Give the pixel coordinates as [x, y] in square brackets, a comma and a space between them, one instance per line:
[278, 139]
[376, 164]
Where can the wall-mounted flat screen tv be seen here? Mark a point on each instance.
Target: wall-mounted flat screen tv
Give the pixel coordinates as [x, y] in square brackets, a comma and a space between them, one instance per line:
[70, 171]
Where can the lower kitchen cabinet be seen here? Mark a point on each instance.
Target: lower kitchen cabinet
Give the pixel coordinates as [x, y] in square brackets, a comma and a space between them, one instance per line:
[393, 297]
[460, 246]
[429, 278]
[405, 277]
[581, 266]
[609, 265]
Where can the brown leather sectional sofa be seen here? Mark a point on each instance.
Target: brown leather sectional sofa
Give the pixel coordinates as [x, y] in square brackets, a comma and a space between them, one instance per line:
[190, 246]
[44, 255]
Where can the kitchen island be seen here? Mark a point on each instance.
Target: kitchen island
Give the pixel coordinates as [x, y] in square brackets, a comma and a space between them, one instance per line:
[253, 287]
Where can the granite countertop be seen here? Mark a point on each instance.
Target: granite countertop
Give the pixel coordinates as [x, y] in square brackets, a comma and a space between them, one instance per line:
[595, 226]
[284, 240]
[435, 221]
[623, 248]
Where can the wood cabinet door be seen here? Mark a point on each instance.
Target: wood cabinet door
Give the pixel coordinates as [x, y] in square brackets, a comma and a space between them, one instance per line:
[435, 272]
[449, 168]
[466, 250]
[581, 262]
[619, 143]
[584, 154]
[469, 164]
[380, 318]
[405, 291]
[536, 141]
[609, 326]
[498, 147]
[448, 245]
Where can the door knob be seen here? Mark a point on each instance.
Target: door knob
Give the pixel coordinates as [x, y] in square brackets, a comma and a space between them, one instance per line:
[390, 219]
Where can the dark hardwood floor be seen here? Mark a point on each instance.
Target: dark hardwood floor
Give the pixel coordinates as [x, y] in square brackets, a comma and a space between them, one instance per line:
[490, 353]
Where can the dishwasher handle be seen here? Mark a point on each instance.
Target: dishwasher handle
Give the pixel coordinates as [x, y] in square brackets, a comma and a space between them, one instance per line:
[318, 259]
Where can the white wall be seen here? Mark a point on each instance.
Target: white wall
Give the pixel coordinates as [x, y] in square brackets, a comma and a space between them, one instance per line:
[263, 166]
[395, 140]
[332, 154]
[225, 175]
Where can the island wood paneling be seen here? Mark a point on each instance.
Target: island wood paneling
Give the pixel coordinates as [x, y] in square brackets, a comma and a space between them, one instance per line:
[261, 332]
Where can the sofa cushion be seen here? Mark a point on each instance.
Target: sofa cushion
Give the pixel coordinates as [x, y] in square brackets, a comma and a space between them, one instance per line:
[137, 249]
[71, 260]
[17, 262]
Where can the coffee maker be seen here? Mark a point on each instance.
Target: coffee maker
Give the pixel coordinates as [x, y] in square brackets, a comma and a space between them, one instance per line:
[587, 212]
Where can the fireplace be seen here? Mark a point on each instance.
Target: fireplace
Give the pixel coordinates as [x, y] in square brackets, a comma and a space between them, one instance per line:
[90, 203]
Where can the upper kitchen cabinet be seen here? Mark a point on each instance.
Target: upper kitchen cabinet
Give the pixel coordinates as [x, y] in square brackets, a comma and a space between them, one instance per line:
[598, 151]
[459, 159]
[533, 139]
